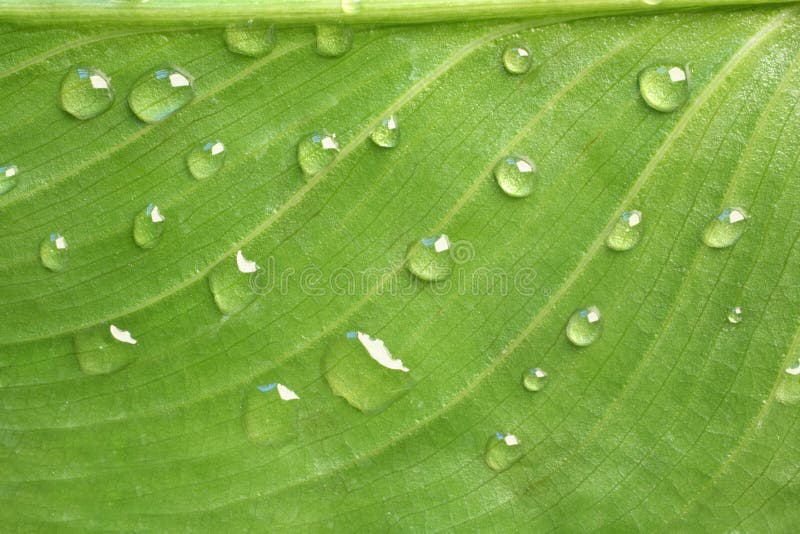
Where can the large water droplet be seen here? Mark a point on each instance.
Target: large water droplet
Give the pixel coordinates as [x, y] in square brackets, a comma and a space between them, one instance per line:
[148, 226]
[363, 371]
[156, 96]
[735, 315]
[230, 283]
[104, 349]
[206, 160]
[8, 178]
[54, 252]
[515, 175]
[270, 414]
[86, 92]
[252, 38]
[725, 230]
[584, 327]
[386, 134]
[316, 151]
[665, 87]
[502, 451]
[429, 258]
[333, 39]
[626, 232]
[517, 59]
[534, 379]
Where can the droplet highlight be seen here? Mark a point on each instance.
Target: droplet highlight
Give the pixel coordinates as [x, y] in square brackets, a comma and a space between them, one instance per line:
[316, 151]
[429, 259]
[8, 178]
[516, 176]
[517, 59]
[270, 414]
[252, 38]
[351, 7]
[627, 231]
[534, 379]
[54, 252]
[230, 284]
[148, 227]
[735, 315]
[502, 451]
[206, 160]
[664, 87]
[333, 39]
[584, 327]
[387, 134]
[156, 96]
[86, 92]
[725, 230]
[104, 349]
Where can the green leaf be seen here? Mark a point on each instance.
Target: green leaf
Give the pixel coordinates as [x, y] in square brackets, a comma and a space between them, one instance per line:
[674, 419]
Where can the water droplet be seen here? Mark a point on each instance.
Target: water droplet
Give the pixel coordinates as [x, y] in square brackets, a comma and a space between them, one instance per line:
[104, 349]
[270, 415]
[429, 259]
[316, 151]
[584, 327]
[387, 134]
[534, 379]
[148, 226]
[788, 390]
[363, 371]
[156, 96]
[230, 284]
[8, 178]
[502, 451]
[206, 160]
[54, 252]
[735, 315]
[725, 230]
[665, 87]
[86, 92]
[515, 176]
[626, 232]
[333, 39]
[351, 7]
[517, 59]
[794, 369]
[252, 38]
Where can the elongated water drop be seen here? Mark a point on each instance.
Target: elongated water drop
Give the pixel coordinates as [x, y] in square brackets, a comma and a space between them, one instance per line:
[316, 151]
[735, 315]
[517, 59]
[104, 349]
[387, 134]
[206, 160]
[502, 451]
[270, 414]
[8, 178]
[584, 327]
[361, 369]
[333, 39]
[665, 87]
[156, 96]
[86, 92]
[725, 230]
[54, 252]
[252, 38]
[230, 284]
[515, 175]
[429, 258]
[534, 380]
[627, 231]
[148, 226]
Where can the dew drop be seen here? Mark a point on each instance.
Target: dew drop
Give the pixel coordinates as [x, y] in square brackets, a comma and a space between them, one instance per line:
[148, 226]
[54, 252]
[735, 315]
[361, 369]
[725, 230]
[270, 415]
[230, 284]
[104, 349]
[333, 39]
[788, 389]
[316, 151]
[387, 134]
[252, 38]
[584, 327]
[515, 176]
[155, 96]
[517, 59]
[86, 92]
[626, 232]
[429, 258]
[8, 178]
[502, 451]
[534, 379]
[206, 160]
[665, 87]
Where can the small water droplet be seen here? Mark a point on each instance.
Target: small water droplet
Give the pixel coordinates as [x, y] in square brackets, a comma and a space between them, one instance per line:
[104, 349]
[148, 226]
[735, 315]
[8, 178]
[725, 230]
[351, 7]
[230, 284]
[54, 252]
[206, 160]
[534, 379]
[429, 258]
[502, 451]
[252, 38]
[517, 59]
[665, 87]
[788, 390]
[316, 151]
[361, 369]
[584, 327]
[333, 39]
[515, 175]
[86, 92]
[270, 414]
[626, 232]
[387, 134]
[155, 96]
